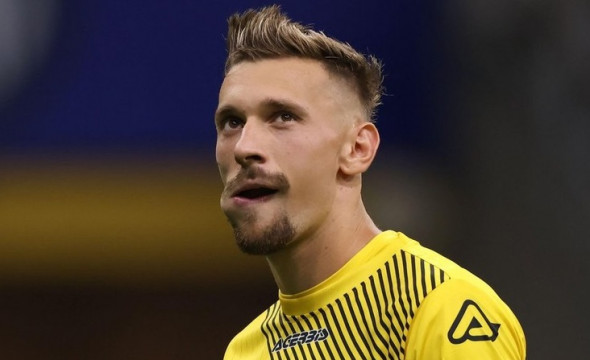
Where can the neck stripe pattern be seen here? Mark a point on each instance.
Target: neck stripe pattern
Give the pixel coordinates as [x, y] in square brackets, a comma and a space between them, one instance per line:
[370, 321]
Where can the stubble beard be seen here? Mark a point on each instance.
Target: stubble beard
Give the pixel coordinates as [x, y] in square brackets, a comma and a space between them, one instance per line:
[250, 237]
[272, 238]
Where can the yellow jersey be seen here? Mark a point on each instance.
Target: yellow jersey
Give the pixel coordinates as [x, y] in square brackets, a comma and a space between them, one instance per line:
[393, 300]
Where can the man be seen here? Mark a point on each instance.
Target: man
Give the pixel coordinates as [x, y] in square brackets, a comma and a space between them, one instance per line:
[295, 132]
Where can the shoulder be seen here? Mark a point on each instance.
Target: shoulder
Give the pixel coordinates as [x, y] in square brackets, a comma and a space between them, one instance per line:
[250, 343]
[462, 317]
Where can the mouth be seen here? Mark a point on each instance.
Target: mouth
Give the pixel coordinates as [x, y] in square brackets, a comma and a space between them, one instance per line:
[253, 186]
[255, 193]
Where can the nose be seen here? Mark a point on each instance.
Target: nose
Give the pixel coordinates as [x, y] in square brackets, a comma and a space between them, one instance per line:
[249, 147]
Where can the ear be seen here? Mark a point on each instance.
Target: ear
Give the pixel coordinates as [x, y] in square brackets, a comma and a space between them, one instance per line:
[359, 152]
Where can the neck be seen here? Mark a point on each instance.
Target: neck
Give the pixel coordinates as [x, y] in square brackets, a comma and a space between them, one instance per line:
[314, 257]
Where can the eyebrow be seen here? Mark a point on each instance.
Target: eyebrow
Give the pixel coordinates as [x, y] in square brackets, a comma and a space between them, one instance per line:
[224, 111]
[282, 104]
[271, 104]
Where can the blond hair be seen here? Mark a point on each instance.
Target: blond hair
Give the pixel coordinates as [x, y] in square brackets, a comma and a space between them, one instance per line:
[268, 33]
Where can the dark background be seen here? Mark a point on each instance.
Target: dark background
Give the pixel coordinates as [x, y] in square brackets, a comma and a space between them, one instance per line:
[111, 241]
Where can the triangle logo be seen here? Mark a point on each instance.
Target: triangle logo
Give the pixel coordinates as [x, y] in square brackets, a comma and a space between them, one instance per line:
[472, 324]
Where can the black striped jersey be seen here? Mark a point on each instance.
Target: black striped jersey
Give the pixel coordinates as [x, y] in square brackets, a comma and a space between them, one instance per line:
[393, 300]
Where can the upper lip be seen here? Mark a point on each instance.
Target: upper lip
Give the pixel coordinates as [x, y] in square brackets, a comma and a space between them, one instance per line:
[252, 185]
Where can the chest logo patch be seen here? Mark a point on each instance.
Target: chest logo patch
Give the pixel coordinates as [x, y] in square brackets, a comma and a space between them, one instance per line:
[304, 337]
[472, 324]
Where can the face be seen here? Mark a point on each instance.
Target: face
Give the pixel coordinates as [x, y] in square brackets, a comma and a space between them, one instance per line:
[282, 127]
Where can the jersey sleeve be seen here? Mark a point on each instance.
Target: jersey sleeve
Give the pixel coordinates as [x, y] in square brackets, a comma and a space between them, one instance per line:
[461, 319]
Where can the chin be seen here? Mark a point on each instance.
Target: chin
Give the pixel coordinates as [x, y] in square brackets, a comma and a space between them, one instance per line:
[265, 240]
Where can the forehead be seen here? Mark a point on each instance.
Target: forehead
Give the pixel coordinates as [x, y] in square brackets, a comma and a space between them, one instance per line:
[301, 79]
[279, 69]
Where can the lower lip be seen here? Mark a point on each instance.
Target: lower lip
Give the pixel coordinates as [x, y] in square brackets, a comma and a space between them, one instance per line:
[243, 201]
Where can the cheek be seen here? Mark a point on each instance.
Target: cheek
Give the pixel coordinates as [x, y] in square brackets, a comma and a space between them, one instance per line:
[223, 157]
[314, 172]
[313, 192]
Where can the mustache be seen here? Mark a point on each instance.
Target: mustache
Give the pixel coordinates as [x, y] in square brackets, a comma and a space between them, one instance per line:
[275, 180]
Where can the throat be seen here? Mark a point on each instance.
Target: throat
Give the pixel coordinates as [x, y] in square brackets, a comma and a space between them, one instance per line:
[301, 266]
[308, 261]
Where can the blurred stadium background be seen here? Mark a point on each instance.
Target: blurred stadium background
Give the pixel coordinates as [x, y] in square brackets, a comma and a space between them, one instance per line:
[112, 245]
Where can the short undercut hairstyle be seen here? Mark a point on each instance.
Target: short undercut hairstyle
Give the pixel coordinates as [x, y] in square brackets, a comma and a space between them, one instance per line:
[268, 33]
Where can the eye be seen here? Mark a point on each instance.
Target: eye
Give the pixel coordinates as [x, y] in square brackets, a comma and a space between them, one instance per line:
[285, 116]
[234, 123]
[231, 123]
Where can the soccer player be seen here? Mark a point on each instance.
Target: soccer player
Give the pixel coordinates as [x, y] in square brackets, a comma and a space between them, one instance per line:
[295, 133]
